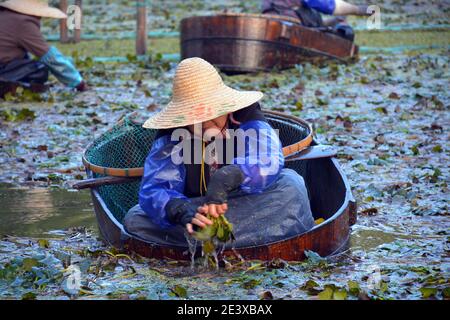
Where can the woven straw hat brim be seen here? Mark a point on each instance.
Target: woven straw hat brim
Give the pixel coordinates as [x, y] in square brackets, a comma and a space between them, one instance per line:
[188, 112]
[34, 8]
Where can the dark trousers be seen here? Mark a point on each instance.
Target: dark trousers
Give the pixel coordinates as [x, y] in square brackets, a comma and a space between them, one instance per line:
[23, 72]
[279, 212]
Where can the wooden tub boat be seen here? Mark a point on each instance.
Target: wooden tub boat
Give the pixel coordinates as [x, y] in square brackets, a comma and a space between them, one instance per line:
[237, 43]
[328, 188]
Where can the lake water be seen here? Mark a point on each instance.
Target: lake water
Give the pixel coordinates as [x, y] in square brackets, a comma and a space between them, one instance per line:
[48, 226]
[36, 212]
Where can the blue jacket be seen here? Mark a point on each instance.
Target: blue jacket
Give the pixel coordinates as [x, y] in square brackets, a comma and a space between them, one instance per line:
[164, 180]
[323, 6]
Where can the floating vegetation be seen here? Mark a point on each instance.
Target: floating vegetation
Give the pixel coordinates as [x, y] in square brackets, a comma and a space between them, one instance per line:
[221, 229]
[213, 237]
[387, 114]
[15, 115]
[23, 95]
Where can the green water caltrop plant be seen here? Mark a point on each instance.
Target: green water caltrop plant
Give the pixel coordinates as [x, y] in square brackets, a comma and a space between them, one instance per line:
[221, 231]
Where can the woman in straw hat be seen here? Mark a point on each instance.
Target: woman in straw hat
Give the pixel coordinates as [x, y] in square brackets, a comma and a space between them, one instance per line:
[194, 170]
[20, 35]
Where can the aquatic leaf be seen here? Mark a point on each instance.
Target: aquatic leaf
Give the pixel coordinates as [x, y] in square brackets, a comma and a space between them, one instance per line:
[44, 243]
[206, 233]
[69, 287]
[340, 295]
[208, 247]
[418, 269]
[314, 257]
[131, 58]
[382, 110]
[406, 116]
[25, 114]
[255, 266]
[377, 162]
[428, 292]
[332, 292]
[50, 261]
[437, 148]
[435, 176]
[353, 287]
[374, 191]
[221, 229]
[359, 167]
[394, 95]
[18, 282]
[179, 291]
[266, 295]
[18, 115]
[326, 294]
[415, 150]
[220, 233]
[311, 287]
[322, 102]
[446, 293]
[9, 96]
[29, 296]
[250, 284]
[29, 263]
[276, 264]
[30, 96]
[384, 287]
[364, 80]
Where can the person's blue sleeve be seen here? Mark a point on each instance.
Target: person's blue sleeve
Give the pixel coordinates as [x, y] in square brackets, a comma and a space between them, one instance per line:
[324, 6]
[163, 180]
[61, 67]
[262, 159]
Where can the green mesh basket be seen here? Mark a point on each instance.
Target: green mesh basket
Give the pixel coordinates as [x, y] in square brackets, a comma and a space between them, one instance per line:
[122, 150]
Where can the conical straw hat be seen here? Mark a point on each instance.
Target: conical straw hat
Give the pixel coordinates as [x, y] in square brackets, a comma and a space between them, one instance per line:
[199, 95]
[37, 8]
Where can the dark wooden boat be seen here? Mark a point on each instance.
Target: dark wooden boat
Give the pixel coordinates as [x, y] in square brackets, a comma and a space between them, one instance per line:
[329, 192]
[238, 43]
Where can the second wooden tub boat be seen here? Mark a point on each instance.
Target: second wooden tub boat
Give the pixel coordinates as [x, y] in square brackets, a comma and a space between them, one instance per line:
[329, 191]
[237, 43]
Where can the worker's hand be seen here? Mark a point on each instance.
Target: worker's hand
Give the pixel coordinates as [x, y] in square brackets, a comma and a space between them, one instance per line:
[82, 87]
[363, 10]
[199, 219]
[216, 210]
[183, 212]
